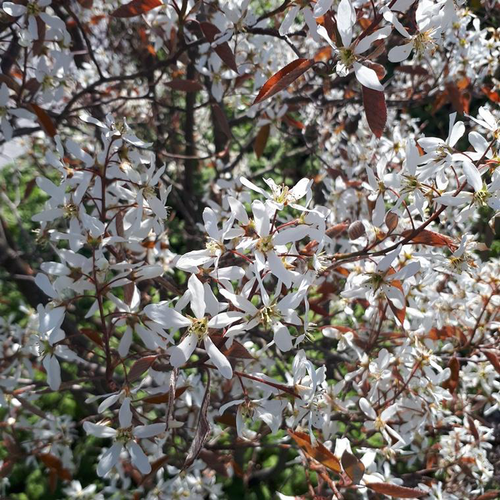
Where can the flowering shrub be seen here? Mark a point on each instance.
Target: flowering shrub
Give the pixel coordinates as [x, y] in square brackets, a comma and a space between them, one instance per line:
[248, 249]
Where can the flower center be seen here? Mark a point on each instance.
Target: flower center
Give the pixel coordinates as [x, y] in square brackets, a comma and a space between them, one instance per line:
[199, 327]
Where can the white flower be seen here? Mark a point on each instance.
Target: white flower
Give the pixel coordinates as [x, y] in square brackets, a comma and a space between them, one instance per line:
[125, 437]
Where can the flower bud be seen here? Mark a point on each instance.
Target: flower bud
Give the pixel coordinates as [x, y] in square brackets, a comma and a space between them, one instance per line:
[391, 221]
[356, 230]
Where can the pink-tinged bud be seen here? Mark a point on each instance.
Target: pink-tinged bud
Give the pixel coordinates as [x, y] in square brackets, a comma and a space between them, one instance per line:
[356, 230]
[391, 221]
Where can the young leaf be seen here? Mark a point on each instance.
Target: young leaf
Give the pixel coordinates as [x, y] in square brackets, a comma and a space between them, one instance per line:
[223, 50]
[318, 451]
[375, 110]
[431, 238]
[261, 140]
[202, 429]
[140, 366]
[393, 490]
[353, 467]
[136, 8]
[185, 85]
[283, 78]
[44, 119]
[493, 359]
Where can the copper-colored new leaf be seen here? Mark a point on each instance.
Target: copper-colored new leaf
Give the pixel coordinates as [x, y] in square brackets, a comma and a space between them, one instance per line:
[431, 238]
[375, 110]
[93, 335]
[165, 397]
[136, 8]
[202, 429]
[221, 118]
[489, 495]
[261, 140]
[185, 85]
[86, 4]
[318, 451]
[223, 50]
[399, 313]
[493, 359]
[283, 78]
[226, 418]
[393, 490]
[353, 467]
[452, 383]
[44, 119]
[140, 366]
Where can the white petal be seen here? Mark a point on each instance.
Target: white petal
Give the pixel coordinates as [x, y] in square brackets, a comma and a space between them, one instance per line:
[367, 77]
[109, 459]
[194, 259]
[13, 9]
[367, 409]
[165, 316]
[147, 431]
[346, 17]
[218, 359]
[195, 286]
[261, 218]
[290, 234]
[457, 131]
[51, 365]
[367, 42]
[181, 353]
[253, 187]
[43, 282]
[378, 215]
[289, 19]
[277, 267]
[139, 459]
[473, 175]
[125, 414]
[406, 272]
[224, 319]
[210, 220]
[322, 7]
[386, 262]
[100, 431]
[282, 337]
[400, 52]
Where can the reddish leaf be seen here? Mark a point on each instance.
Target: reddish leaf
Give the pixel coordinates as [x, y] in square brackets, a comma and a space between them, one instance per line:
[491, 94]
[223, 50]
[164, 398]
[399, 313]
[222, 120]
[140, 366]
[452, 383]
[185, 85]
[431, 238]
[44, 119]
[202, 429]
[136, 8]
[353, 467]
[493, 359]
[460, 98]
[489, 495]
[86, 4]
[375, 110]
[226, 418]
[412, 70]
[473, 428]
[261, 140]
[93, 335]
[283, 78]
[396, 491]
[318, 451]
